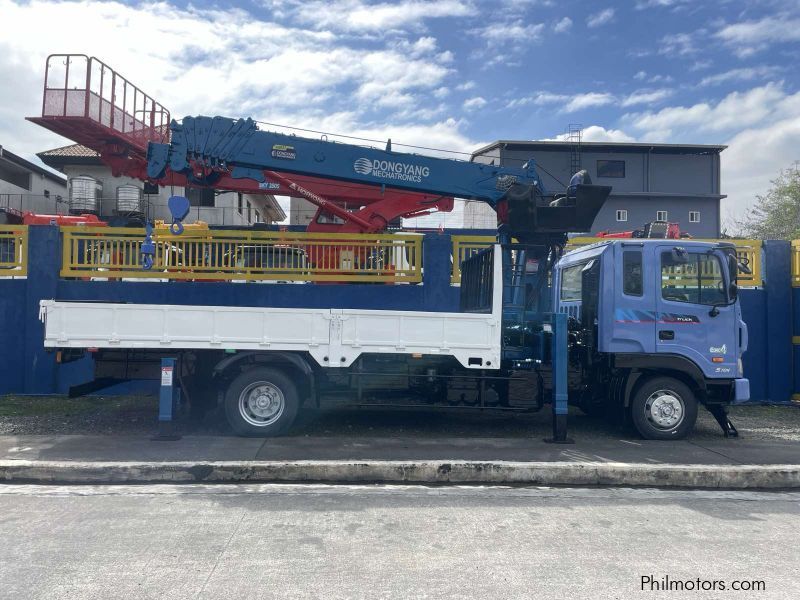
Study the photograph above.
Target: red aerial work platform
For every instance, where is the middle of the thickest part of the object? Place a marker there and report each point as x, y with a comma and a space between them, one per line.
88, 102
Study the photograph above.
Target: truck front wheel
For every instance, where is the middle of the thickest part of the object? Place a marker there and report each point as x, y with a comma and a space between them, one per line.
663, 408
261, 402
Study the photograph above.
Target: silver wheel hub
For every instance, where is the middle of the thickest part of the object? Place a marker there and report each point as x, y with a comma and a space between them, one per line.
261, 403
664, 409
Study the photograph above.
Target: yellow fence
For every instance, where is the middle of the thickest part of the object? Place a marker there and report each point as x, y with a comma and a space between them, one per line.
795, 263
13, 250
464, 247
748, 251
115, 253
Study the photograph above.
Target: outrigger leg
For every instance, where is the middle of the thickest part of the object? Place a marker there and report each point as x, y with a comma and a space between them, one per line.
720, 413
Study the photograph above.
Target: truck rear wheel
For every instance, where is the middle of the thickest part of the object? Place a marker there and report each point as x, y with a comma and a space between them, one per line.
261, 402
663, 408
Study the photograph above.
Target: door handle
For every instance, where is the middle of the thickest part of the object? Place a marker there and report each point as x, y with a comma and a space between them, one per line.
666, 334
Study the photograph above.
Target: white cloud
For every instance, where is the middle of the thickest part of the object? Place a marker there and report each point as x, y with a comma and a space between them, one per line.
645, 4
422, 46
500, 33
702, 64
569, 103
741, 74
596, 133
736, 110
563, 25
749, 37
360, 16
640, 75
761, 128
474, 103
600, 18
588, 100
646, 97
677, 44
466, 85
754, 157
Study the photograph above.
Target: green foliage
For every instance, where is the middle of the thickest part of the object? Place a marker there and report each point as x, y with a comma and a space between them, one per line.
776, 214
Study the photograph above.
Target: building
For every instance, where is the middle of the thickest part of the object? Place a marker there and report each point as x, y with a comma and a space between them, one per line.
650, 182
25, 186
116, 195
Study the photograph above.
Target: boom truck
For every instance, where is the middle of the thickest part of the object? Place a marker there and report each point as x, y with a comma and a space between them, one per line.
646, 328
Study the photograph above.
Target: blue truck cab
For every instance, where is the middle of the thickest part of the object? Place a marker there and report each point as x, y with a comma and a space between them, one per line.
655, 328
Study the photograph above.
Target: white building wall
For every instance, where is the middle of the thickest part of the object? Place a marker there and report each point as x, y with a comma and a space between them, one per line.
33, 199
224, 212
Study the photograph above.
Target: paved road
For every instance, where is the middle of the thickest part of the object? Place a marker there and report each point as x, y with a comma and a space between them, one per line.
284, 541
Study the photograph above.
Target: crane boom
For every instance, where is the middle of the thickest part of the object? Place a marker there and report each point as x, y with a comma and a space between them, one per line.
207, 149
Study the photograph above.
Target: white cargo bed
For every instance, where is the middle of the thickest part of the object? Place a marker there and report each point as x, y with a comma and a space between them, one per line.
333, 337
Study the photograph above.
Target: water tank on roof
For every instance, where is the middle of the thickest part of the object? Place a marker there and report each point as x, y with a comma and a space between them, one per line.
85, 194
129, 199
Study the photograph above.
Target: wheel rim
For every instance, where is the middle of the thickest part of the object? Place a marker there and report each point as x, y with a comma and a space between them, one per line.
261, 404
665, 409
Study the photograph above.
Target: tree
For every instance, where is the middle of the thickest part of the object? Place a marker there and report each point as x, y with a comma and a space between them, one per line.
776, 214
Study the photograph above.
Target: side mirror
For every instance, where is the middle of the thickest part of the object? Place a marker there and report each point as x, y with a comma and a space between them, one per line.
679, 255
733, 292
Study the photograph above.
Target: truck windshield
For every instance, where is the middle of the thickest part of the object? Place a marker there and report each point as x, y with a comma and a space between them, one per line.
699, 280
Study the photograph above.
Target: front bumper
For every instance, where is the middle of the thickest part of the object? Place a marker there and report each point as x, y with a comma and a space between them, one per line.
741, 390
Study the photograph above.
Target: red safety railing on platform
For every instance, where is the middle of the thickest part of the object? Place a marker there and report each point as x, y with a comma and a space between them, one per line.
78, 86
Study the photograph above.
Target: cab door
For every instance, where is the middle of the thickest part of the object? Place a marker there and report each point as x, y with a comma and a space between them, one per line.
695, 317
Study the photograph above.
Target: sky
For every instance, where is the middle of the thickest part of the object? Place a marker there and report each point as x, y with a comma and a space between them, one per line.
451, 74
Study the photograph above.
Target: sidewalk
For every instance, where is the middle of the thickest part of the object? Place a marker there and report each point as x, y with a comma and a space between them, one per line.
705, 463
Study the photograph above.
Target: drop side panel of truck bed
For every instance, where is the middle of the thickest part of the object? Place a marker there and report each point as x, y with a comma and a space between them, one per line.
333, 337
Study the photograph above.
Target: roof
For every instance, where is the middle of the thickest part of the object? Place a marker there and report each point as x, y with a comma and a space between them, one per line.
74, 154
602, 147
72, 150
26, 164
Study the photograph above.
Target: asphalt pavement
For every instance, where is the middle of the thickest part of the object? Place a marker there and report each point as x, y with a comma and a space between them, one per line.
315, 541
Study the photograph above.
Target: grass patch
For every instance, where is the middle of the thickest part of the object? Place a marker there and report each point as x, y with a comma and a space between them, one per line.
22, 406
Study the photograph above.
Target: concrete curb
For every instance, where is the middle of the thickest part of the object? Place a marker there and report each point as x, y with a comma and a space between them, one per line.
426, 472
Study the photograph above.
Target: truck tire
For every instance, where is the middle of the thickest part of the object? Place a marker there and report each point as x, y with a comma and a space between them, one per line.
261, 402
663, 408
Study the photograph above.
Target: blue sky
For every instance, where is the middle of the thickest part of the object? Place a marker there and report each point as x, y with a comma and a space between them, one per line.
446, 73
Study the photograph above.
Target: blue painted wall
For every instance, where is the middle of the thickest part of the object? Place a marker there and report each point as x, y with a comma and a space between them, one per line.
27, 368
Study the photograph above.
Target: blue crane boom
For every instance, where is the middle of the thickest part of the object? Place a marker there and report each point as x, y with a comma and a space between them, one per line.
206, 148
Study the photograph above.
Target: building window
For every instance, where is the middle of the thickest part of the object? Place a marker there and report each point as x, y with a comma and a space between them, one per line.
694, 216
258, 216
611, 168
622, 215
249, 212
661, 215
240, 203
632, 277
200, 196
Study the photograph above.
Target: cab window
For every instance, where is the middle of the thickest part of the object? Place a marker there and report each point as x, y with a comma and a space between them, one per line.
632, 278
571, 282
697, 280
